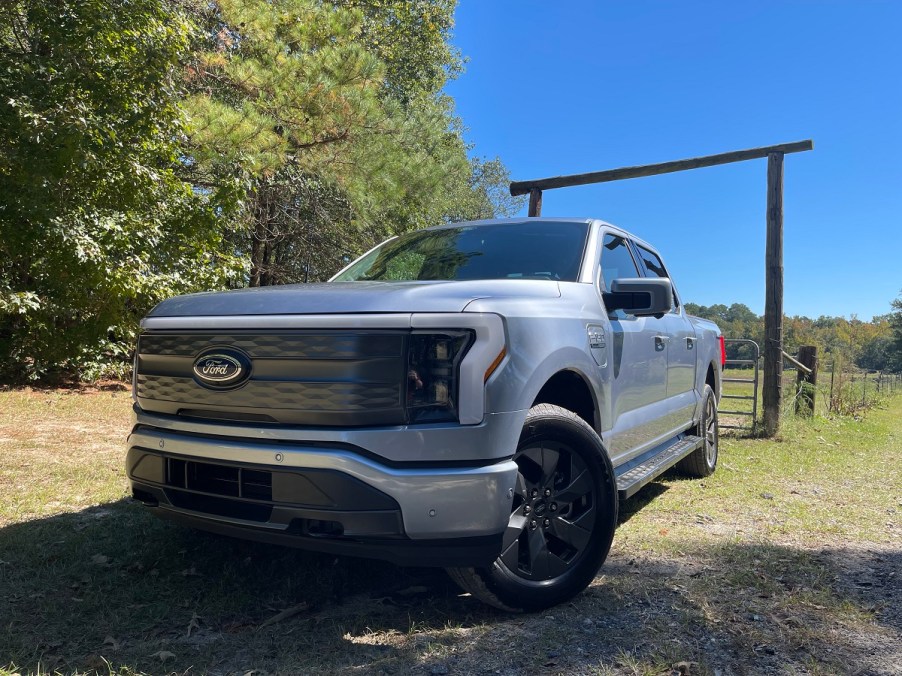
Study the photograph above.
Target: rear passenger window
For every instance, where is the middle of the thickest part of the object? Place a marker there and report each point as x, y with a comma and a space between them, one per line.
655, 268
616, 260
651, 263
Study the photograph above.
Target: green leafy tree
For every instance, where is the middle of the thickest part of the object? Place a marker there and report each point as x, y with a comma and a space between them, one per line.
95, 226
331, 118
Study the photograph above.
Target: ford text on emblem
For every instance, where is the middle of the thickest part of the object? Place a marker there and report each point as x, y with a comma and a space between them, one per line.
222, 368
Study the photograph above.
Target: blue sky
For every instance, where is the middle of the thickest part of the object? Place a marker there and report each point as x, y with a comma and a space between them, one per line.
574, 86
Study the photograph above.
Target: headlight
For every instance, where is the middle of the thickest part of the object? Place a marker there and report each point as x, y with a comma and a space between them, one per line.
433, 360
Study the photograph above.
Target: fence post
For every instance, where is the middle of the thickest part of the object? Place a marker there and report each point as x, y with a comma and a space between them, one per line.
806, 382
832, 377
772, 392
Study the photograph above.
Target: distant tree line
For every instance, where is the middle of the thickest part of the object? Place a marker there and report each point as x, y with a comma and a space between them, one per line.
874, 345
156, 147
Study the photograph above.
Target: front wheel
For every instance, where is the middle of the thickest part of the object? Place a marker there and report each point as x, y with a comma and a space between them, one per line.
562, 520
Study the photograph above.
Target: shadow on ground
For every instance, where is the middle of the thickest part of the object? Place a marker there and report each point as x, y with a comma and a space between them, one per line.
112, 586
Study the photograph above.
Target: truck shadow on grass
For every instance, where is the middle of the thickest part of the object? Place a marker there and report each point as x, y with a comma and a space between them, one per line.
113, 587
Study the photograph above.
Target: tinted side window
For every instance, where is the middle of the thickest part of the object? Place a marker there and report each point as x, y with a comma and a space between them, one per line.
652, 263
655, 268
616, 260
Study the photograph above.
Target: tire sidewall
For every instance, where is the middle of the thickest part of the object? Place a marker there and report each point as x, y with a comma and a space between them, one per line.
551, 424
710, 396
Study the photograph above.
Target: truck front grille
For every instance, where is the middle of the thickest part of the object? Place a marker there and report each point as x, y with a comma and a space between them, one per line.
315, 378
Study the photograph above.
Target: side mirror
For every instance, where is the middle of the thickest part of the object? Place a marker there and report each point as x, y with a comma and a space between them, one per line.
640, 296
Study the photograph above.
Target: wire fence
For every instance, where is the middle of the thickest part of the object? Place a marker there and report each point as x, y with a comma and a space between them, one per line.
841, 389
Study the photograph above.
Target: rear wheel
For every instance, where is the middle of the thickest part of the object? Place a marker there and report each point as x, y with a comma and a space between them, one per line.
703, 461
562, 521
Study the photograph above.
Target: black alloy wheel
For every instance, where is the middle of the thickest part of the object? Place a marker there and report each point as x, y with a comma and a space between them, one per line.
563, 515
703, 461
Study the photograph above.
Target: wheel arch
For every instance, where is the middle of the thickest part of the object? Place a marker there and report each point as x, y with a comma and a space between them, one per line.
713, 378
570, 389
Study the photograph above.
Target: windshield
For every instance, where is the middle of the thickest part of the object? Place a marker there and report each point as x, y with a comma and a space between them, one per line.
530, 250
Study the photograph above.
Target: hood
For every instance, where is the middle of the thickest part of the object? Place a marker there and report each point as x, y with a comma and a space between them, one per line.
352, 297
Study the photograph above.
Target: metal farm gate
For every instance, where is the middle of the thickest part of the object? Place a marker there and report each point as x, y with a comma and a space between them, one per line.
753, 397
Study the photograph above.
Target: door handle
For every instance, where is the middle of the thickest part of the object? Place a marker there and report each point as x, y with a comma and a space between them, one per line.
661, 343
690, 343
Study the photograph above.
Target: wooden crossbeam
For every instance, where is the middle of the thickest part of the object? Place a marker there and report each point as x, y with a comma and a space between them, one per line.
524, 187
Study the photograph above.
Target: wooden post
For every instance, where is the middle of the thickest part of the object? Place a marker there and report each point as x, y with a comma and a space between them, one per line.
772, 394
535, 202
832, 378
806, 382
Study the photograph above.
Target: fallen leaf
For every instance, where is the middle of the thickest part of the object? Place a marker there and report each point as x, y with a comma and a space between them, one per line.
415, 589
110, 641
193, 624
97, 663
164, 655
285, 614
100, 559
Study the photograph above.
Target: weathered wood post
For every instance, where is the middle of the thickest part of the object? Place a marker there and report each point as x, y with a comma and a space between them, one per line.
830, 404
772, 393
535, 202
806, 382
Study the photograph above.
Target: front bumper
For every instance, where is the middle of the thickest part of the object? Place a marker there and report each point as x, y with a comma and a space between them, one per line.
323, 496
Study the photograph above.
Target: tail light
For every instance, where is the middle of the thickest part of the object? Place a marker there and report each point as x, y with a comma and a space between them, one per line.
723, 351
433, 361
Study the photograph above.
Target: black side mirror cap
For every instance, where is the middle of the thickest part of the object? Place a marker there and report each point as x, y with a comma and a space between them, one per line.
641, 296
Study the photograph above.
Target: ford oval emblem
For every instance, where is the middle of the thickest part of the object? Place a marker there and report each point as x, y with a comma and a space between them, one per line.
222, 368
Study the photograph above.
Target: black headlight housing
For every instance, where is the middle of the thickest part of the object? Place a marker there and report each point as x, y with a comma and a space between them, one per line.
433, 374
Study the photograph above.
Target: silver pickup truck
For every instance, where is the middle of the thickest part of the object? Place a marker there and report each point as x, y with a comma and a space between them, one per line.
477, 396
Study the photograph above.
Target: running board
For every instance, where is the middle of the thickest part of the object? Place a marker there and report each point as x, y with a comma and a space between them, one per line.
629, 483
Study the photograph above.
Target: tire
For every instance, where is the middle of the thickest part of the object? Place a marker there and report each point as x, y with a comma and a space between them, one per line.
703, 461
563, 517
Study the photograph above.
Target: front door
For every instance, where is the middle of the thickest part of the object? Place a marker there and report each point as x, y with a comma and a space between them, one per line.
681, 350
638, 376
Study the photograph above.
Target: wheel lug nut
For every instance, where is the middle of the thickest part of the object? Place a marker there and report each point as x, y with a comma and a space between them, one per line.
553, 506
535, 492
547, 492
527, 509
546, 523
533, 525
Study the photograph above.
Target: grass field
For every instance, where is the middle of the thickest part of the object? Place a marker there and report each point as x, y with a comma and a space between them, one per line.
787, 560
